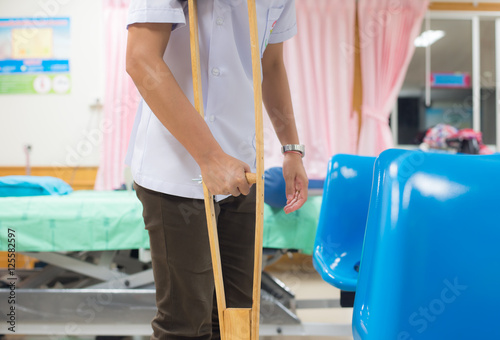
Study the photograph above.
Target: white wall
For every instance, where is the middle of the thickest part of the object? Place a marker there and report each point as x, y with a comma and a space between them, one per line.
57, 126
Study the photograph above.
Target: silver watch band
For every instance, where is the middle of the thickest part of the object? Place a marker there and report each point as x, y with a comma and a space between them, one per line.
294, 147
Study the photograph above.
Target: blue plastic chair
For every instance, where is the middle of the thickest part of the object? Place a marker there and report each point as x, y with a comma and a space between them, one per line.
342, 220
429, 267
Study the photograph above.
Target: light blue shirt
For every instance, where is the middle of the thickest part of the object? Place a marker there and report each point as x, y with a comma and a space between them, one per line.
158, 161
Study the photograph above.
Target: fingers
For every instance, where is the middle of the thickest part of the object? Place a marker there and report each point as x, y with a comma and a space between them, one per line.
246, 167
304, 191
237, 181
241, 185
244, 188
226, 177
232, 190
299, 197
296, 203
290, 187
293, 199
235, 192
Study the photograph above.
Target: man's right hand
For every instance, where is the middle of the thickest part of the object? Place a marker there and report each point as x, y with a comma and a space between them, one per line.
225, 175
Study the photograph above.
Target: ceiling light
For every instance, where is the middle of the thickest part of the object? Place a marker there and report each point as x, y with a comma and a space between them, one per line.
428, 38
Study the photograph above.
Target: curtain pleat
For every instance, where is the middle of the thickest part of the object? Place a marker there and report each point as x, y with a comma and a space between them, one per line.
388, 29
320, 67
121, 98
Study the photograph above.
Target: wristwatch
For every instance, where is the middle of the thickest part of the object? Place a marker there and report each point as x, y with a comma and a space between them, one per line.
294, 147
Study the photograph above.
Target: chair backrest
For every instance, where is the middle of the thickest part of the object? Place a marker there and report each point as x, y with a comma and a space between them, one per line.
341, 226
429, 268
380, 173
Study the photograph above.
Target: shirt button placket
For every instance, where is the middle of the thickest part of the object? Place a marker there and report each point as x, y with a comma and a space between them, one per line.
215, 72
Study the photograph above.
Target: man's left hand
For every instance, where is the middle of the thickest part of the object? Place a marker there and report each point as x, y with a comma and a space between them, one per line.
296, 182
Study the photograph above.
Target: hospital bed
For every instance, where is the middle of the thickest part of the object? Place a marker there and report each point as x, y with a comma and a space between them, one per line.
97, 278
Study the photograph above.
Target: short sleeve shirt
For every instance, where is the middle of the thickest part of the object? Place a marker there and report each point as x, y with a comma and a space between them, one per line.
158, 161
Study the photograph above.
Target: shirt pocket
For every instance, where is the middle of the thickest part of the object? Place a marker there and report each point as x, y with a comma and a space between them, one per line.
272, 17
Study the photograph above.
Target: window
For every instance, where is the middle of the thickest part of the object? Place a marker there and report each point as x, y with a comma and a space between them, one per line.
488, 81
462, 83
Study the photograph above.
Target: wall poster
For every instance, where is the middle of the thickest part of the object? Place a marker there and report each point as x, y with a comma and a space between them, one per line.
34, 55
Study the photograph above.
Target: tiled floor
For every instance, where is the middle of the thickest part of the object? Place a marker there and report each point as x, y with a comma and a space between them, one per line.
299, 275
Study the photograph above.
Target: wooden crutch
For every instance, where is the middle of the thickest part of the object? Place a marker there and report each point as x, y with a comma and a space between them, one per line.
235, 323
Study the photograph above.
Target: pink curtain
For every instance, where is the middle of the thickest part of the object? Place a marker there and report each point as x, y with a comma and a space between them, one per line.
121, 98
320, 66
387, 29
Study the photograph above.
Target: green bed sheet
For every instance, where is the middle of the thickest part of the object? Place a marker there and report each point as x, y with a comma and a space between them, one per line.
100, 220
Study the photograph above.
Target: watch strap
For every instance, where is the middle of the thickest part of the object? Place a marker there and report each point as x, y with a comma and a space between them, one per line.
294, 147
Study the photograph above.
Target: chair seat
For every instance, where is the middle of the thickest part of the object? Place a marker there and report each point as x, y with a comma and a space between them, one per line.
342, 273
341, 226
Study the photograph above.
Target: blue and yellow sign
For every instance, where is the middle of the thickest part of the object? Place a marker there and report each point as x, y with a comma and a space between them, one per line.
34, 55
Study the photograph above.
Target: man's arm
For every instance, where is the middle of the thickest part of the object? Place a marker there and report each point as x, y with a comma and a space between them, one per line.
278, 102
146, 45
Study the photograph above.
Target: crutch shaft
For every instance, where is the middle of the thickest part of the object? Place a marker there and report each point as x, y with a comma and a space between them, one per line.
259, 138
208, 198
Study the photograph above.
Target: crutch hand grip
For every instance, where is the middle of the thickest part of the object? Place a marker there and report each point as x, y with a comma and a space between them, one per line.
251, 178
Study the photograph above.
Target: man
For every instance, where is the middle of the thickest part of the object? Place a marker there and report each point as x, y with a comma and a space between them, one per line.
172, 144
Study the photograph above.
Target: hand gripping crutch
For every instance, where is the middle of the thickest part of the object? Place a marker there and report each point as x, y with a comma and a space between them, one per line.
235, 323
